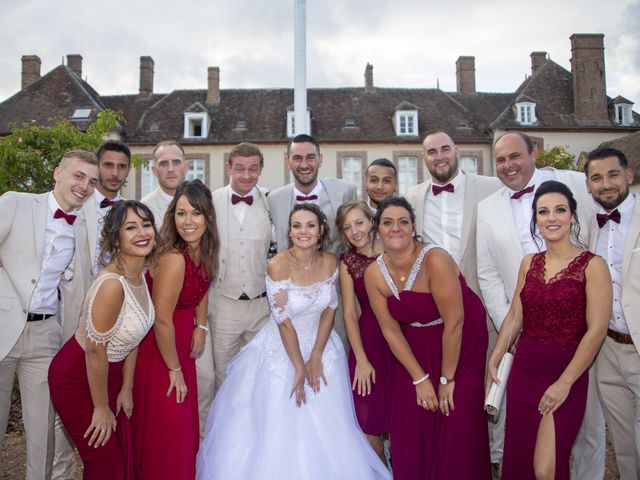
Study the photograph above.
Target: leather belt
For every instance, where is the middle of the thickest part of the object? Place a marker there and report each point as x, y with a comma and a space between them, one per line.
37, 317
244, 296
620, 337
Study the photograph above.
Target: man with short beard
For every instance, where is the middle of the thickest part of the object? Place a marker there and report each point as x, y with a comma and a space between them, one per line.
615, 236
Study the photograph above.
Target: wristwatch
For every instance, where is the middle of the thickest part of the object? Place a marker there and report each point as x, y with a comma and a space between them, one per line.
446, 381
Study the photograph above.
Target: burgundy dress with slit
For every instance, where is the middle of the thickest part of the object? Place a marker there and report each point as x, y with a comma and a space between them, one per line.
373, 410
553, 323
166, 434
427, 445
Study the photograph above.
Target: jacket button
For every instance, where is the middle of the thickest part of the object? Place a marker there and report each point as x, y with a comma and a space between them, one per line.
33, 281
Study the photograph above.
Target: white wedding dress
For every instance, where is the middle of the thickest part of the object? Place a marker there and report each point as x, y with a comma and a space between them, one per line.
255, 431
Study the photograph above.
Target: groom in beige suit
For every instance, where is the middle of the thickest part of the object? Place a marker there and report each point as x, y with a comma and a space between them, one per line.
615, 236
503, 239
42, 246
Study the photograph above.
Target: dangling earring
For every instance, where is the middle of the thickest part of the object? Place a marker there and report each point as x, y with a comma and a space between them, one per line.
116, 250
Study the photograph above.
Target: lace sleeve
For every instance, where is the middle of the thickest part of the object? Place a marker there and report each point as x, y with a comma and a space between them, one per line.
92, 333
278, 296
334, 281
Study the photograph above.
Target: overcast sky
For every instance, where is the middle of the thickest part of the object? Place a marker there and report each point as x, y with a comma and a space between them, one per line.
410, 43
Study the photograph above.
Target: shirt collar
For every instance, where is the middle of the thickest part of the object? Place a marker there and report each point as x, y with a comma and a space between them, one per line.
536, 179
99, 197
316, 190
252, 192
625, 207
167, 198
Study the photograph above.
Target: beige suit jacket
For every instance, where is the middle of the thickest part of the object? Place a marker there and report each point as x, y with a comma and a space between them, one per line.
22, 235
476, 188
281, 202
630, 272
499, 250
156, 202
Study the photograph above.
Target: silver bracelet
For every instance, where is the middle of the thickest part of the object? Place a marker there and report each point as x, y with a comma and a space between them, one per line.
203, 327
420, 380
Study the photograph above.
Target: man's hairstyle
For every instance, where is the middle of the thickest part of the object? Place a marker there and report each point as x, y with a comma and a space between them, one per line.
82, 155
167, 143
525, 138
382, 162
113, 146
303, 138
245, 149
604, 152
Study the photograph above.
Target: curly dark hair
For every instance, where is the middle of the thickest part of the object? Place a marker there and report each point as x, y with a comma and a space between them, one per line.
113, 221
323, 241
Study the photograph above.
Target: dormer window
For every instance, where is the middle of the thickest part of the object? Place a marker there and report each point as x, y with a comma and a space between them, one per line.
291, 126
406, 122
526, 113
196, 125
350, 123
623, 114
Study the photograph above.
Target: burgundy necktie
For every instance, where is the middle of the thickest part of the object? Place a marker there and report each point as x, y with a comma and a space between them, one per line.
517, 195
59, 213
306, 198
437, 189
237, 198
603, 218
106, 203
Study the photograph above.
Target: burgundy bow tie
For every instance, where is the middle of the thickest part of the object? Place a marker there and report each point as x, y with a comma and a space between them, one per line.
306, 198
237, 198
522, 192
59, 213
106, 203
437, 189
603, 218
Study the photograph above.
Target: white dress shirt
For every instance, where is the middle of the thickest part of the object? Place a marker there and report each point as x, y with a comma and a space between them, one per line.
101, 214
442, 218
59, 246
317, 190
610, 246
522, 213
240, 208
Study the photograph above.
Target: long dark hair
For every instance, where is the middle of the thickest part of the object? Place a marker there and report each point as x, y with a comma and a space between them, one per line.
553, 186
199, 196
113, 221
323, 240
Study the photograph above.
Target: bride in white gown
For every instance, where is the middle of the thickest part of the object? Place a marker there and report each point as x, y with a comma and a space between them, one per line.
285, 410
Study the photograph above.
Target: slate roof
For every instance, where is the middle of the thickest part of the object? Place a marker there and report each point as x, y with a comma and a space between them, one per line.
630, 146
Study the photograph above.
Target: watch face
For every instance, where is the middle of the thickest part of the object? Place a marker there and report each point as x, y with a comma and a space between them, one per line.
443, 380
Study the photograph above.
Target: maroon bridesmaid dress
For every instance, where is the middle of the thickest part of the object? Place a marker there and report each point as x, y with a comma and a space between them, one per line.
373, 411
166, 434
427, 445
553, 323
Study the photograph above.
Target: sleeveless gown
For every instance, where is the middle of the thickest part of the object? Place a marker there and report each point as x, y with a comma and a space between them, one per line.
553, 323
69, 383
256, 431
427, 445
166, 434
373, 410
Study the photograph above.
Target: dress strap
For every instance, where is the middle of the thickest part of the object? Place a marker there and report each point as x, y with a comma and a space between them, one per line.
412, 275
387, 276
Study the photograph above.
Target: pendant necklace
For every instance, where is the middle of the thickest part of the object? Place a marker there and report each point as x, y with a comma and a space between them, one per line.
398, 271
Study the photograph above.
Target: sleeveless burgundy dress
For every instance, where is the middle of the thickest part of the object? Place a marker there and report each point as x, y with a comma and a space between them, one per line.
166, 434
373, 410
427, 445
553, 323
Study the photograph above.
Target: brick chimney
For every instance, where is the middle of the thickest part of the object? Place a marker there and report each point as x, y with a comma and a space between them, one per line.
537, 60
368, 78
587, 70
466, 74
74, 62
213, 85
30, 69
146, 76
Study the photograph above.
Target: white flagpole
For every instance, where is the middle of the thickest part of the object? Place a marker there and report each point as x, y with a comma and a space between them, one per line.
300, 61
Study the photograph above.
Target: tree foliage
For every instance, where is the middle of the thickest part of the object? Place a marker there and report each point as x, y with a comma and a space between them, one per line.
557, 157
29, 154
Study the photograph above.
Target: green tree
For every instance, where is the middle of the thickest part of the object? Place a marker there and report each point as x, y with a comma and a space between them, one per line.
556, 157
29, 154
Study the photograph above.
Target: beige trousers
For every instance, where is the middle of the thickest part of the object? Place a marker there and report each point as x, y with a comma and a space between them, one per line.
618, 380
30, 359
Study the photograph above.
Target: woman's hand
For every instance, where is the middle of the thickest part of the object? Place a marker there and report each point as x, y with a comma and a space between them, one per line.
445, 397
197, 342
492, 375
124, 401
298, 387
103, 423
553, 397
176, 379
363, 377
315, 372
426, 396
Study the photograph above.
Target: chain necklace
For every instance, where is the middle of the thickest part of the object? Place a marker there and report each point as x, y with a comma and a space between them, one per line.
398, 271
299, 264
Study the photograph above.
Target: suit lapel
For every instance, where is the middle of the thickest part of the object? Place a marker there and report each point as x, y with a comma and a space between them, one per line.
631, 241
91, 217
420, 197
468, 208
40, 210
503, 212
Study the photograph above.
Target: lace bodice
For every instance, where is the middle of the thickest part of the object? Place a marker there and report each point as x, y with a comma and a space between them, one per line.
554, 311
134, 320
356, 264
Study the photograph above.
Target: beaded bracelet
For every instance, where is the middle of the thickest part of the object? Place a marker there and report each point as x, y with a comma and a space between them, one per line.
176, 369
420, 380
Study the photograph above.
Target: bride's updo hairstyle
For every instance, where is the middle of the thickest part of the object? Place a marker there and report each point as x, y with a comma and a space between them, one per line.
394, 202
323, 241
